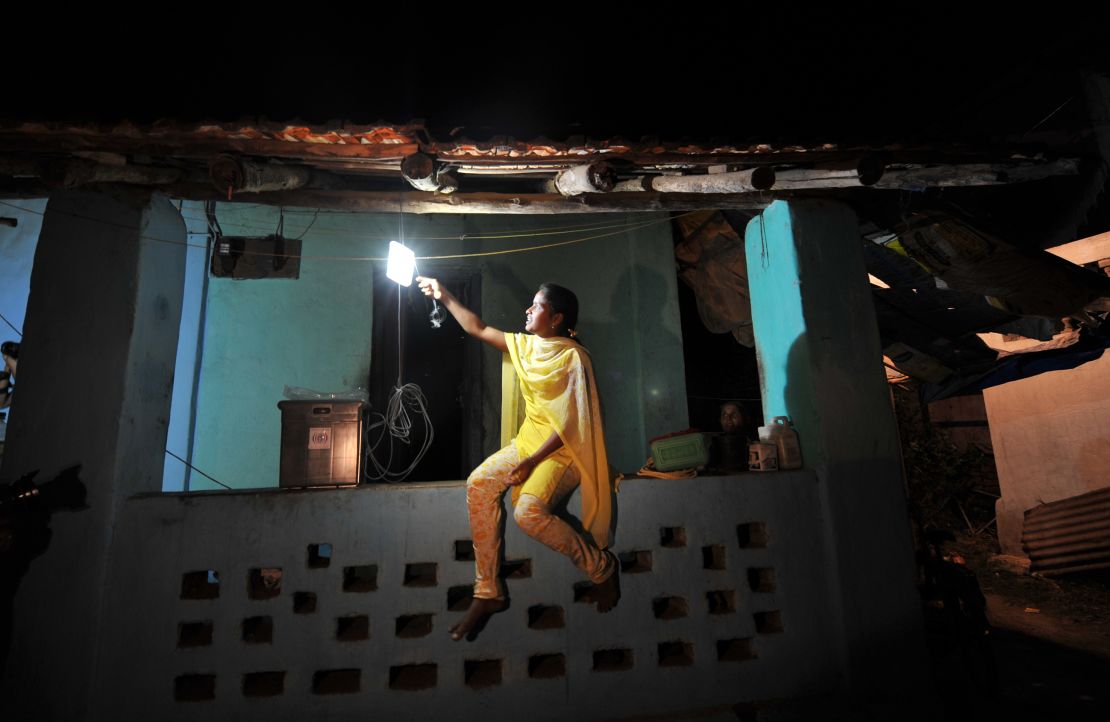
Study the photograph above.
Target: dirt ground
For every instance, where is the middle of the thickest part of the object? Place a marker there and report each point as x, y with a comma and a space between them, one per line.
1072, 610
1046, 653
1049, 643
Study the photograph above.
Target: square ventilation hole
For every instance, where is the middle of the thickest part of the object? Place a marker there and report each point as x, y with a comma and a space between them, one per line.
204, 584
761, 579
735, 650
194, 634
409, 626
264, 582
258, 630
584, 592
635, 562
464, 550
669, 607
547, 666
672, 537
319, 556
612, 660
360, 579
482, 672
544, 617
458, 598
420, 575
413, 676
194, 687
336, 681
675, 654
721, 601
263, 684
768, 622
713, 557
304, 602
752, 535
352, 628
517, 569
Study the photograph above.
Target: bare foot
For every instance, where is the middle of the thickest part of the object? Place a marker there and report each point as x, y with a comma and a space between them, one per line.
608, 592
476, 615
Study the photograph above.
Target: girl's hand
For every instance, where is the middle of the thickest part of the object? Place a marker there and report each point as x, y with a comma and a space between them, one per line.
430, 287
523, 470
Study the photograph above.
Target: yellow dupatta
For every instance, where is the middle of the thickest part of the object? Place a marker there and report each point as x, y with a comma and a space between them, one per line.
557, 376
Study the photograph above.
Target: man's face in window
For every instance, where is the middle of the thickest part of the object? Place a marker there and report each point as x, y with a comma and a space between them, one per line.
731, 418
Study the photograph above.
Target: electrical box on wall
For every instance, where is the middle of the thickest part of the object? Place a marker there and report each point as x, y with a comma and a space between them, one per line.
243, 257
321, 443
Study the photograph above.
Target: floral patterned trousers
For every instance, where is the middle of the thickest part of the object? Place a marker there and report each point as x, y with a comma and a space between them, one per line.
484, 490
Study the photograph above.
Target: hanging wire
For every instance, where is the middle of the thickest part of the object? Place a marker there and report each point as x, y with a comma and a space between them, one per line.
308, 227
186, 463
764, 261
406, 401
1047, 117
508, 251
544, 231
721, 398
12, 325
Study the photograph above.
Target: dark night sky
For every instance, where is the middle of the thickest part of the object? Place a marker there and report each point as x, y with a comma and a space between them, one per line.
779, 75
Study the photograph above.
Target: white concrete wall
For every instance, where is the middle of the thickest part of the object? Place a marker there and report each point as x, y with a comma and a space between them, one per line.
95, 380
161, 537
1051, 438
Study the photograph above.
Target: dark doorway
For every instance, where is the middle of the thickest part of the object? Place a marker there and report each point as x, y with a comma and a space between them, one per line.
718, 369
443, 362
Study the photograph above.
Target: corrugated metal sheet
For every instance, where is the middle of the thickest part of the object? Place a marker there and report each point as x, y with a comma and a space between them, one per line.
1070, 535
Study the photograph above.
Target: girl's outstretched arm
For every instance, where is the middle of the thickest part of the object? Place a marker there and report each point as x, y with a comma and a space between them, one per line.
469, 320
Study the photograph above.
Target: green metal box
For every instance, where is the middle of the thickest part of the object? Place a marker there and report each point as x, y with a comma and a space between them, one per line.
680, 452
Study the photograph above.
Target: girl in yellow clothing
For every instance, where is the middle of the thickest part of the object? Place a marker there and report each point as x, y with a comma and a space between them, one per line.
560, 445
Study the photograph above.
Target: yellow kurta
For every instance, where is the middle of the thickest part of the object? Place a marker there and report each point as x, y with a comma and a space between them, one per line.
556, 383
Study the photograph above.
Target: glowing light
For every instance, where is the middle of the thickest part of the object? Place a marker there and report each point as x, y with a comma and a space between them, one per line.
401, 264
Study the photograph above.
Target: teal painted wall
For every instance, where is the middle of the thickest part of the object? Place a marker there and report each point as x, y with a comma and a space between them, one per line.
816, 332
778, 317
261, 335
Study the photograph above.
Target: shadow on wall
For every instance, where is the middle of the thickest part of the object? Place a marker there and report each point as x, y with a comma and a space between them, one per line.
25, 511
637, 302
647, 410
797, 402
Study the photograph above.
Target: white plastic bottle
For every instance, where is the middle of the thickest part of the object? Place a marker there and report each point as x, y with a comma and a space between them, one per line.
782, 434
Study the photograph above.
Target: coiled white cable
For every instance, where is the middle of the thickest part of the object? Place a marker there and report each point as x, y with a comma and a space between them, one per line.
396, 425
